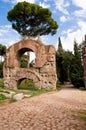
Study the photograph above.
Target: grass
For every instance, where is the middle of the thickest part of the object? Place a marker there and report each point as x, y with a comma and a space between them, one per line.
1, 83
2, 98
1, 80
84, 90
58, 85
40, 91
83, 115
12, 100
29, 88
27, 85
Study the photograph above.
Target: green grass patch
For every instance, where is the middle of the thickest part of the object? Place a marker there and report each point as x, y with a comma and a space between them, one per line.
83, 115
84, 118
83, 90
1, 83
2, 98
58, 85
4, 90
27, 85
40, 91
12, 100
1, 80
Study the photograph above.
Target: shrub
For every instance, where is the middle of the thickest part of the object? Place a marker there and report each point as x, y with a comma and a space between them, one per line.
2, 98
27, 84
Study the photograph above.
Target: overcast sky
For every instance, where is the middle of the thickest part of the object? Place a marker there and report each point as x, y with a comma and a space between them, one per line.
69, 14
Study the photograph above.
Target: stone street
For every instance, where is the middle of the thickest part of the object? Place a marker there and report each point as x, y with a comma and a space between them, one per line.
50, 111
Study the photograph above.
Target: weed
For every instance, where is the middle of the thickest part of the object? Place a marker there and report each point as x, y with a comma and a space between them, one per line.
12, 100
83, 115
2, 98
40, 91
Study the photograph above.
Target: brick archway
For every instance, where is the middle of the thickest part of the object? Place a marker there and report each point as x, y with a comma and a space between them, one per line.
44, 69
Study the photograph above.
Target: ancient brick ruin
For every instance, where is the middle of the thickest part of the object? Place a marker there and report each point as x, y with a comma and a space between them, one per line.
44, 71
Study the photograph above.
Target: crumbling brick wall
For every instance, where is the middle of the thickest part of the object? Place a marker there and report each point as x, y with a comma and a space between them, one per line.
43, 73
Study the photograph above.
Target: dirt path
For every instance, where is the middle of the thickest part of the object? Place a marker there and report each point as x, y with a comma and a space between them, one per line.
51, 111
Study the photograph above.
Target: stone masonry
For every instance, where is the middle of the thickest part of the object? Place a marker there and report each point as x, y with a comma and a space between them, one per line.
44, 71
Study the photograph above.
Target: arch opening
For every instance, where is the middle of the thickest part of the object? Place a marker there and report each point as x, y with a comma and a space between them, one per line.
26, 84
26, 58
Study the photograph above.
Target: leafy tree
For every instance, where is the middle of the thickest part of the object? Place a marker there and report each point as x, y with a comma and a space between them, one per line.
32, 63
76, 68
60, 48
1, 69
59, 60
23, 61
32, 20
67, 61
2, 53
2, 50
69, 66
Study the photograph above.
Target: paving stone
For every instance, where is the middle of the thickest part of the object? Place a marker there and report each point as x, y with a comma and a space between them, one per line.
50, 111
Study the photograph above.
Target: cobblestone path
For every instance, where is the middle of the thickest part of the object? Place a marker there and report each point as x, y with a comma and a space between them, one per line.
51, 111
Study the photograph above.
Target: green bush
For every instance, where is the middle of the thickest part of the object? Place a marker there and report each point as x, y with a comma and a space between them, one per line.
77, 80
1, 69
27, 84
83, 115
40, 91
1, 83
2, 98
12, 100
58, 84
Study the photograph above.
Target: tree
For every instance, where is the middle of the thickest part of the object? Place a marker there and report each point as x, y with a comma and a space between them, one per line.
67, 61
1, 69
2, 53
60, 48
32, 20
76, 68
2, 50
59, 61
23, 61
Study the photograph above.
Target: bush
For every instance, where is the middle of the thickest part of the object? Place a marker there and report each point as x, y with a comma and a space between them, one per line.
76, 80
2, 98
1, 69
1, 83
58, 84
12, 100
27, 84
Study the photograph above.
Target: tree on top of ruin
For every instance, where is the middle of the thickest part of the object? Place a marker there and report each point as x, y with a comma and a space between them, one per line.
32, 20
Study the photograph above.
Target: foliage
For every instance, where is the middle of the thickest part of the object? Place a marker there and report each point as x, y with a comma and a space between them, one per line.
12, 100
1, 80
58, 85
32, 20
60, 48
77, 68
32, 63
2, 49
69, 66
63, 62
27, 84
23, 61
1, 69
59, 59
1, 83
83, 115
40, 91
2, 98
